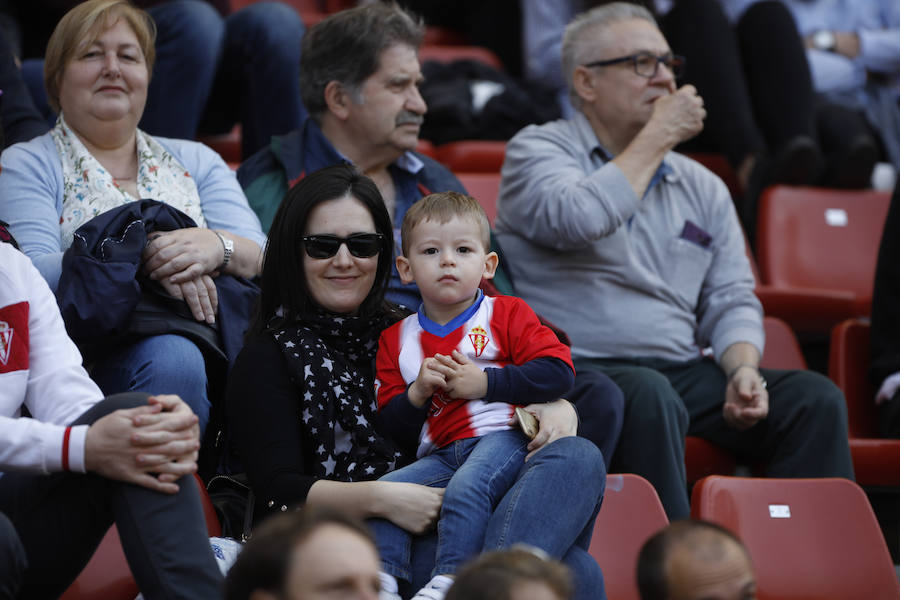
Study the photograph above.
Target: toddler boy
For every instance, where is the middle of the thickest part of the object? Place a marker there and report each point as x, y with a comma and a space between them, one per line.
449, 376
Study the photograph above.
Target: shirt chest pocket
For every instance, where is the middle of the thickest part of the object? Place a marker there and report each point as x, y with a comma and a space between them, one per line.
684, 268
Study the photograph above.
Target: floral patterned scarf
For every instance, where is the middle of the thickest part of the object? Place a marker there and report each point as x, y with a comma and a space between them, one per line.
89, 189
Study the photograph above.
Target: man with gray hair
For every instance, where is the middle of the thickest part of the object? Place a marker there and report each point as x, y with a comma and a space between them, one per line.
637, 252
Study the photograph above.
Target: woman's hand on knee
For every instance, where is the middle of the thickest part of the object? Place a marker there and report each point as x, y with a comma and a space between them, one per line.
555, 420
413, 507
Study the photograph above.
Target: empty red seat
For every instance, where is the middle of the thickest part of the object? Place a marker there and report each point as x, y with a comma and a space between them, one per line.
816, 251
630, 514
484, 187
472, 156
808, 538
876, 461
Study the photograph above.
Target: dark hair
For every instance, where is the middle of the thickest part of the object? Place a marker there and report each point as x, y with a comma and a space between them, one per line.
265, 559
493, 575
346, 47
654, 556
283, 280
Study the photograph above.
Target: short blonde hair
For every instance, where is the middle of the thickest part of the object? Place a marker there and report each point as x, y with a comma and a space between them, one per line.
81, 26
441, 207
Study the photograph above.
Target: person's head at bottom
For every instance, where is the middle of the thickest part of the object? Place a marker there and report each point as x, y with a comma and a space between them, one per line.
520, 573
309, 554
694, 560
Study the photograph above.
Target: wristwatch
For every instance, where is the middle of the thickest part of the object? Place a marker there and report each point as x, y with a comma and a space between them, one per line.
824, 40
228, 246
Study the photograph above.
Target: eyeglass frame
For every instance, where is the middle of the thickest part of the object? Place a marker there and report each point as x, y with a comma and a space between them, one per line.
309, 240
668, 57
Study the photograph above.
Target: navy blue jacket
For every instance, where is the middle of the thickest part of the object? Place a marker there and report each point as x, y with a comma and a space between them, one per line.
104, 299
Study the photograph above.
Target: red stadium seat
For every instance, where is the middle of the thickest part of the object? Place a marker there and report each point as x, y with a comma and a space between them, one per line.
107, 574
484, 187
816, 251
631, 513
718, 164
876, 461
427, 148
227, 145
808, 538
702, 458
472, 156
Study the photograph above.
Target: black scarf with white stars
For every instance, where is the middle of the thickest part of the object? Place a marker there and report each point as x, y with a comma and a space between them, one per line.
331, 359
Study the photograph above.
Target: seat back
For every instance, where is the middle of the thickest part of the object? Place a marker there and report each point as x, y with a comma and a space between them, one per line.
808, 538
782, 348
821, 238
631, 513
848, 365
484, 187
472, 156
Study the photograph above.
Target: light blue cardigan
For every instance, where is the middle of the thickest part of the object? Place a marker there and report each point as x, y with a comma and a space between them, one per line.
31, 191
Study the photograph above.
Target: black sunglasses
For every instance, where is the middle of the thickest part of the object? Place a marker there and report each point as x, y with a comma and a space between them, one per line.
360, 245
646, 64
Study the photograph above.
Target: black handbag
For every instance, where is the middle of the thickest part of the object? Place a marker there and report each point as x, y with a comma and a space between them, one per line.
234, 502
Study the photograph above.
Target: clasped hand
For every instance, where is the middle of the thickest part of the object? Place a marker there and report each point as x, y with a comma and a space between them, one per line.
151, 446
455, 375
184, 262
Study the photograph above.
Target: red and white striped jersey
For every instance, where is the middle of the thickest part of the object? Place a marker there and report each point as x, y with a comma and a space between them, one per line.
494, 332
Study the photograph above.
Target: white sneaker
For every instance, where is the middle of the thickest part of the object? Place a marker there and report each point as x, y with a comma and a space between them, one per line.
389, 589
436, 589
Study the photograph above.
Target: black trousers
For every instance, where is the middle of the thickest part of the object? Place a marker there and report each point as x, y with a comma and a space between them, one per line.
804, 435
754, 77
59, 520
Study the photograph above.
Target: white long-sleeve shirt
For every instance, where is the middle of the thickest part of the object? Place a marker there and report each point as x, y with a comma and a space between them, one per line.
40, 368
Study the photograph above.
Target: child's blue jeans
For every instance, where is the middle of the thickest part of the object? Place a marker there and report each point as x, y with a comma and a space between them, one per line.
477, 472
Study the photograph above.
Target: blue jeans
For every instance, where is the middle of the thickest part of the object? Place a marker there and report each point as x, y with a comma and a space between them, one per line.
552, 505
477, 472
162, 364
211, 73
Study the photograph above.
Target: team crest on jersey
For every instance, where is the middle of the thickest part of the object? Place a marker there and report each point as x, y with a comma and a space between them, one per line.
479, 338
6, 335
14, 337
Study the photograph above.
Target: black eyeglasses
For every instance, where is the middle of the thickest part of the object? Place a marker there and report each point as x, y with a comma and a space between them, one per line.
360, 245
645, 63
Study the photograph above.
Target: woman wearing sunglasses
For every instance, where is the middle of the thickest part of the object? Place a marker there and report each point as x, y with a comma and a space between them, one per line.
301, 397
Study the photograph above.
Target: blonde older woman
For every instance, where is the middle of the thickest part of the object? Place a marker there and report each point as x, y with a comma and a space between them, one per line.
98, 64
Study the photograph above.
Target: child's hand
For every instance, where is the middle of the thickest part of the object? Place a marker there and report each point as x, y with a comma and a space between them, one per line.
431, 378
464, 378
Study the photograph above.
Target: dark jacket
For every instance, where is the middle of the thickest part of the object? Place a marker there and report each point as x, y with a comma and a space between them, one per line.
104, 299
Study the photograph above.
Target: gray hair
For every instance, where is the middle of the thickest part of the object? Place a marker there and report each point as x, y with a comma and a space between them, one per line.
577, 46
346, 47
